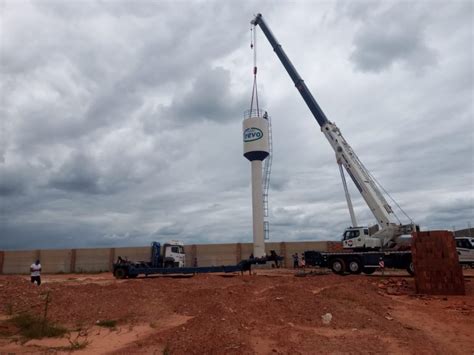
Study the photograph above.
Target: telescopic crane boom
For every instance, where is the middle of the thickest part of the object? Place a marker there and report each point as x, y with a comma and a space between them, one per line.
355, 237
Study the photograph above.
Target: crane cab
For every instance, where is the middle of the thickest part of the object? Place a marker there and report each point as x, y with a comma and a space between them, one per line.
359, 238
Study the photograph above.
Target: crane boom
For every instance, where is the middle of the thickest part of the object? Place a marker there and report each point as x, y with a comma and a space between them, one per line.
299, 83
345, 156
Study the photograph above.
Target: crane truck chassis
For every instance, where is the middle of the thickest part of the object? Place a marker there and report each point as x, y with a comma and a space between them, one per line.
170, 259
356, 262
369, 261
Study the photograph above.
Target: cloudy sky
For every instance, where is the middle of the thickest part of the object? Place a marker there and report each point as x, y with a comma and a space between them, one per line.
121, 120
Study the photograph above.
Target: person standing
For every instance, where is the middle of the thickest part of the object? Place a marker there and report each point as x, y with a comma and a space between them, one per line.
295, 261
302, 262
35, 270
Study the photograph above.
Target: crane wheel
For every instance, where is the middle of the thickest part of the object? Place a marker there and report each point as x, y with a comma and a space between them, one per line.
354, 266
338, 266
120, 273
369, 270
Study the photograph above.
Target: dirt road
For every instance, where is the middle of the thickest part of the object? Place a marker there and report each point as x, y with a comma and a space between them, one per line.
271, 312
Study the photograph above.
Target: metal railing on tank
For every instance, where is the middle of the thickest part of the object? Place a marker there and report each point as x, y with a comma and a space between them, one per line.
255, 113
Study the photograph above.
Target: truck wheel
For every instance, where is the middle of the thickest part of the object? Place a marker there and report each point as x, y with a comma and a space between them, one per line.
369, 270
411, 268
120, 273
338, 266
355, 266
169, 264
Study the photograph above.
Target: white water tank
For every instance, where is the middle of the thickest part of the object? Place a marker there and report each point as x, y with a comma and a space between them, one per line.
255, 136
256, 149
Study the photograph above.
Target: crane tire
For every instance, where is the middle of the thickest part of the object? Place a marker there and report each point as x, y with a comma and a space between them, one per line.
354, 266
120, 273
369, 270
338, 266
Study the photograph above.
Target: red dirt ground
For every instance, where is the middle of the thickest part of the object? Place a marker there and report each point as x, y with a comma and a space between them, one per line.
271, 312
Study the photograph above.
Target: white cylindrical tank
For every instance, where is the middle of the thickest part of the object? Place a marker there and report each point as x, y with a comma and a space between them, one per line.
255, 136
256, 149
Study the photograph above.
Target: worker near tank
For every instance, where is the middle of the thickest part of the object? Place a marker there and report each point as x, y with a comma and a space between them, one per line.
35, 270
295, 260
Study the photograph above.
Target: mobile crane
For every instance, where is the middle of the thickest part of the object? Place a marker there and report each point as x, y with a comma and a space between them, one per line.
368, 249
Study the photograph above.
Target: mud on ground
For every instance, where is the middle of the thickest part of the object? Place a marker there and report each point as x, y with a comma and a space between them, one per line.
271, 312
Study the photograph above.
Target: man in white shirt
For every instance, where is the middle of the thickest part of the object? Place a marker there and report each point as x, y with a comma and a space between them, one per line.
35, 270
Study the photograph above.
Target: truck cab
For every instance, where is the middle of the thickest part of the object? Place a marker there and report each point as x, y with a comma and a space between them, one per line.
173, 254
359, 238
465, 248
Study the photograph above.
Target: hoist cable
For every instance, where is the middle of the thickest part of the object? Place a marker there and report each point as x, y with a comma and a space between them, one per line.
253, 46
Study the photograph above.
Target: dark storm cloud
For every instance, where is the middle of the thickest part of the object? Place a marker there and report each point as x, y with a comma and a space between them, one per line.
396, 35
169, 231
121, 121
12, 182
78, 174
452, 213
210, 98
357, 10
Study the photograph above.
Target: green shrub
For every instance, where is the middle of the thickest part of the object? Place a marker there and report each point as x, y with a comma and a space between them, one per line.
32, 327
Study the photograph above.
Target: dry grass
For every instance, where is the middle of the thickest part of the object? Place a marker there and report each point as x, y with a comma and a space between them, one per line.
32, 327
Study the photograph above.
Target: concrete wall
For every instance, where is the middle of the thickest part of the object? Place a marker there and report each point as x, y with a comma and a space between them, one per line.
93, 260
18, 262
101, 259
216, 254
58, 260
137, 254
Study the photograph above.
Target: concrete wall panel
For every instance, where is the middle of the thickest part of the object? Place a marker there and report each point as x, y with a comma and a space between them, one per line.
58, 260
216, 254
2, 259
136, 253
247, 249
272, 246
92, 260
190, 251
300, 247
18, 262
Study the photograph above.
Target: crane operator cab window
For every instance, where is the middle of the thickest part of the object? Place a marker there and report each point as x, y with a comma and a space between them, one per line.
351, 234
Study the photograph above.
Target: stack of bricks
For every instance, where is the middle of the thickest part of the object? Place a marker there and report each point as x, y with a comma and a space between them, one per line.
436, 262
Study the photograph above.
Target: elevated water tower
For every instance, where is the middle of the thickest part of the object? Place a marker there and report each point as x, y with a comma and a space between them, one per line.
256, 138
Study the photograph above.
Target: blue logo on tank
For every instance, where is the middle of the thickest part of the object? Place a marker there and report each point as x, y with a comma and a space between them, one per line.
252, 134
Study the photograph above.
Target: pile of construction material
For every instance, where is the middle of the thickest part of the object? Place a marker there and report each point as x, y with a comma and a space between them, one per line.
437, 268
